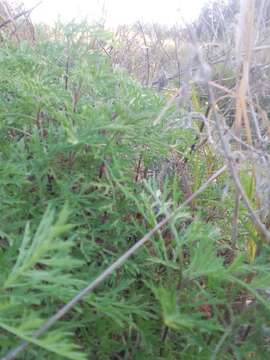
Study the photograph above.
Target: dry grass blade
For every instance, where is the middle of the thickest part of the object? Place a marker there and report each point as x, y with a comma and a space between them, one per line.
244, 46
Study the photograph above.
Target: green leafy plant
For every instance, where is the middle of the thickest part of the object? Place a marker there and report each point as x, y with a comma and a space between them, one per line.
85, 172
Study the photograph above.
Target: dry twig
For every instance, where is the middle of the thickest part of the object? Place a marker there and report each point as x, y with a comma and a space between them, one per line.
22, 13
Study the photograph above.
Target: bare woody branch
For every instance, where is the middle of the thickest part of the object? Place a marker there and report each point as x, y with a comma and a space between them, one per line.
17, 16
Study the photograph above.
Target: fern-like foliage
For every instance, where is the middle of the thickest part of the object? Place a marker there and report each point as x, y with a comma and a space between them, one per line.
77, 130
41, 275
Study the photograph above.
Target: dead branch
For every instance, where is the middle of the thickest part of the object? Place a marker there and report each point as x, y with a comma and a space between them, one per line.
16, 17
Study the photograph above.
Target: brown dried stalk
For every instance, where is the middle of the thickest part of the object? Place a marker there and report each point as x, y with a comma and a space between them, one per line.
231, 166
248, 11
244, 57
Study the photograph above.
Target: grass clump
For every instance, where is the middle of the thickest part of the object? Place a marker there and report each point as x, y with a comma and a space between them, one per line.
84, 174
